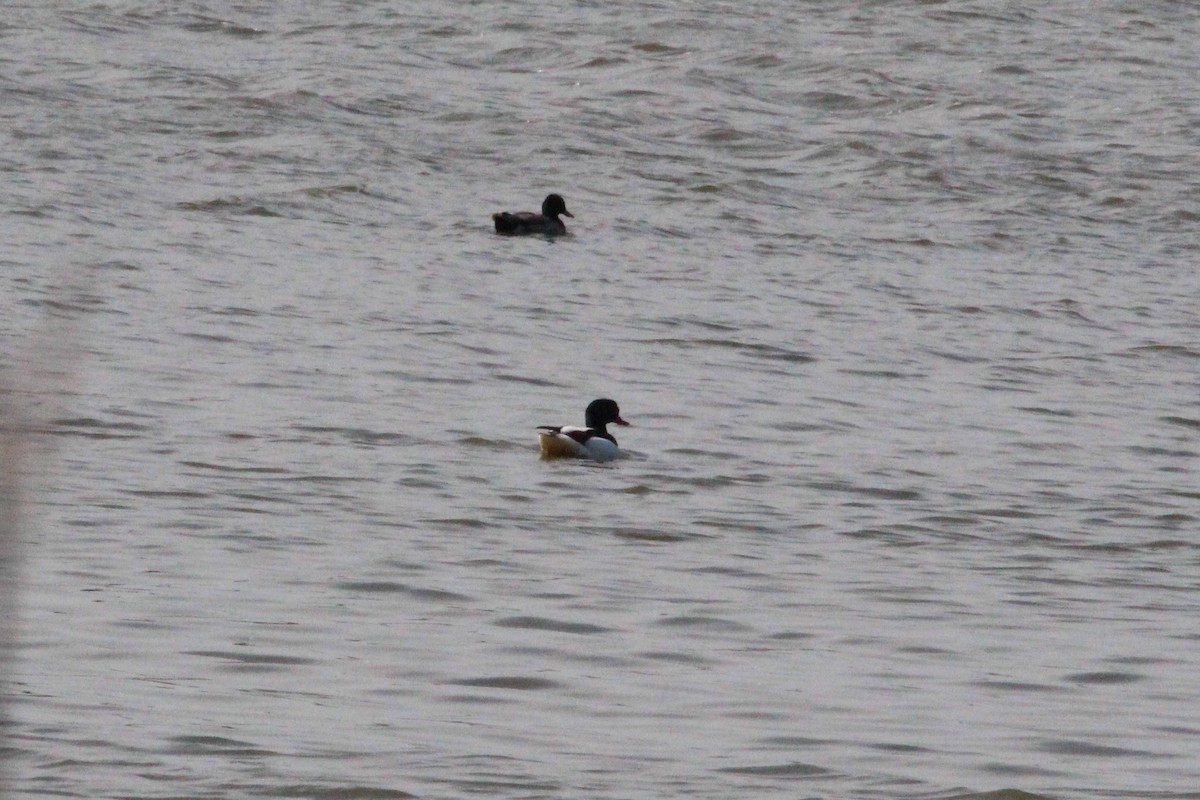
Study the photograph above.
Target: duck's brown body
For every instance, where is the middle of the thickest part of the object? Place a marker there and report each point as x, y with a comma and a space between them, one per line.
526, 222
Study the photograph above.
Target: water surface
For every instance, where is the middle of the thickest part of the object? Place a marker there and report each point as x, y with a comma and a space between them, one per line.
899, 298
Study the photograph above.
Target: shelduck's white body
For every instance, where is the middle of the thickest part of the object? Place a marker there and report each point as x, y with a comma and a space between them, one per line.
571, 442
593, 441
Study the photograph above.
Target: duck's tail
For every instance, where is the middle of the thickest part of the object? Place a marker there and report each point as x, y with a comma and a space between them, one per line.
505, 222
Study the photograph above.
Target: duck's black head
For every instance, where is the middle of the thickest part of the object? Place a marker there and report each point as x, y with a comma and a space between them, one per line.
601, 412
554, 205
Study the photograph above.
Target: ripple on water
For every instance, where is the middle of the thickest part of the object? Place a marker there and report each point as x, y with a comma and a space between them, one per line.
556, 626
393, 587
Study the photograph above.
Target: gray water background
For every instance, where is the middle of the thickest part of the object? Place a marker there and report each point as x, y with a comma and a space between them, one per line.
900, 298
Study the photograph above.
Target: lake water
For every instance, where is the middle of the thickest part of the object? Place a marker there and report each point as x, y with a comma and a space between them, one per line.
899, 298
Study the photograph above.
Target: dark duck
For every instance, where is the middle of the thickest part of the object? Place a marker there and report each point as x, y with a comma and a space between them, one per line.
522, 223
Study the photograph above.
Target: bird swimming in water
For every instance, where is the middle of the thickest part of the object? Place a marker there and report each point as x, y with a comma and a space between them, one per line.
526, 222
594, 441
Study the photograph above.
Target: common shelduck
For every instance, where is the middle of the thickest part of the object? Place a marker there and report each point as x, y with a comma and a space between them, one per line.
593, 441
